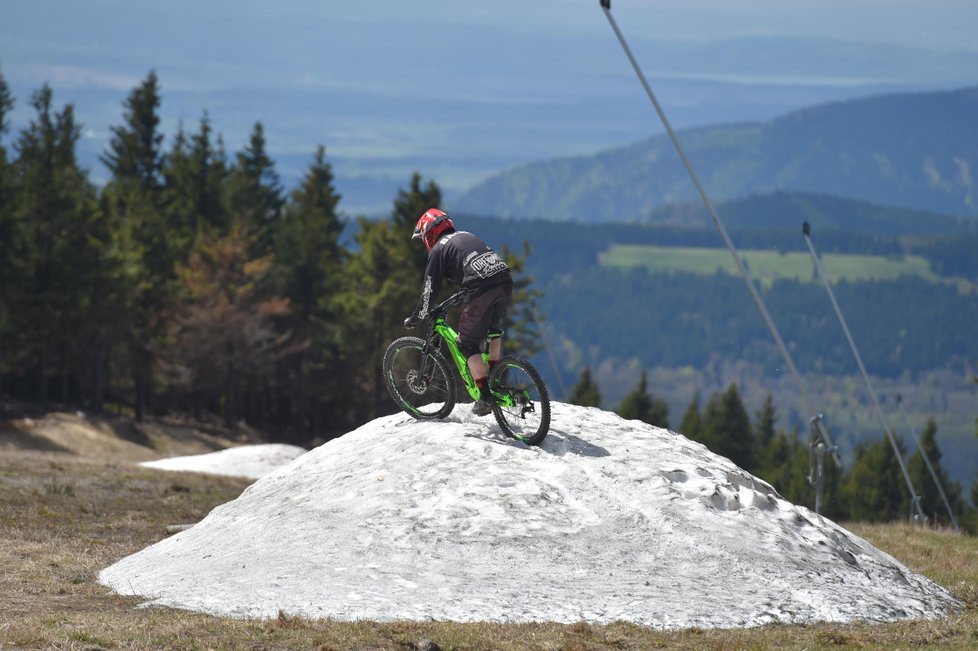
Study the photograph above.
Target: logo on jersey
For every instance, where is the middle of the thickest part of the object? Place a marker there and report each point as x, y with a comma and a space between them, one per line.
425, 297
488, 264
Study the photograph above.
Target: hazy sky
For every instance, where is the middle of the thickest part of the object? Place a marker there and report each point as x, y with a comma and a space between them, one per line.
464, 88
53, 39
934, 23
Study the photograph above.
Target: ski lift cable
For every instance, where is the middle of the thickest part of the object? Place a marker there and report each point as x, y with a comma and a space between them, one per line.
744, 273
806, 231
930, 467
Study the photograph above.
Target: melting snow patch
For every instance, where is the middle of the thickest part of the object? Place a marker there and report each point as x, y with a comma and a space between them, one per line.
450, 520
250, 461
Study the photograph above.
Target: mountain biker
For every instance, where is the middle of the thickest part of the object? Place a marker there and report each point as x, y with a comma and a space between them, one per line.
470, 263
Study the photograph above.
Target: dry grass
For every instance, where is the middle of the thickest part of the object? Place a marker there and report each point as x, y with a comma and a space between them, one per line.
62, 519
945, 557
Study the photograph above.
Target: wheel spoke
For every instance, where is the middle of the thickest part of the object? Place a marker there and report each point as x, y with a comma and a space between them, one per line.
525, 412
419, 382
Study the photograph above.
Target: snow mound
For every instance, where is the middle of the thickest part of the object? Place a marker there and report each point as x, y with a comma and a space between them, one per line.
450, 520
250, 461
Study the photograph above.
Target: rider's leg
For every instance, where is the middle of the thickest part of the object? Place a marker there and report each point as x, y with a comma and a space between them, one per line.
480, 372
481, 312
473, 326
478, 367
494, 338
495, 349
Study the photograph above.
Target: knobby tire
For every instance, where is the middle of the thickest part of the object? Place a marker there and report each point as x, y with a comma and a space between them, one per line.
529, 419
426, 390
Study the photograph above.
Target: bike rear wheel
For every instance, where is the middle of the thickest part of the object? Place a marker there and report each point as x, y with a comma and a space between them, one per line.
526, 417
421, 383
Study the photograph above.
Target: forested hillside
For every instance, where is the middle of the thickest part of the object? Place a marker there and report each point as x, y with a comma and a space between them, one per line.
913, 151
676, 319
192, 282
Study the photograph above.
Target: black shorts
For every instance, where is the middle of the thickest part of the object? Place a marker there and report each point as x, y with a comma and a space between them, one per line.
481, 312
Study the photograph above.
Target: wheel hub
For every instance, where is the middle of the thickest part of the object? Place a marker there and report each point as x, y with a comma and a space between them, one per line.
416, 382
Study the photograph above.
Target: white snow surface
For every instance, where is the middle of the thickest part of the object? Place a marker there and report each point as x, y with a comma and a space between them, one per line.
450, 520
249, 461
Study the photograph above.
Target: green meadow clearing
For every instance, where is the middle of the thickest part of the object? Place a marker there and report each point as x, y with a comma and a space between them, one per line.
766, 266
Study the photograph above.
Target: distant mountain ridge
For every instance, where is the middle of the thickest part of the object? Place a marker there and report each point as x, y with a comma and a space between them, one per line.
788, 210
915, 150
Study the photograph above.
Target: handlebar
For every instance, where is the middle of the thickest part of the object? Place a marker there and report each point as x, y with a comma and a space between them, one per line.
454, 299
439, 310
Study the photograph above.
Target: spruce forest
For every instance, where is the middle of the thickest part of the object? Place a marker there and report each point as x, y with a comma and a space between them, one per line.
193, 284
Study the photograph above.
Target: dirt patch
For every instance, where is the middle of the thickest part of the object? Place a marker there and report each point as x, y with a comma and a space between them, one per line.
116, 439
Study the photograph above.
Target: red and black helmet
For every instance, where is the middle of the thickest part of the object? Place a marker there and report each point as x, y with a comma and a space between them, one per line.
431, 226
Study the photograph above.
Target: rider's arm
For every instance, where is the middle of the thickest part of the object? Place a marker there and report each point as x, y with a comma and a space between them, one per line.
431, 285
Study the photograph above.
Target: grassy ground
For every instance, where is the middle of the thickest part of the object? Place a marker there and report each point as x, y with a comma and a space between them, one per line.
63, 518
766, 266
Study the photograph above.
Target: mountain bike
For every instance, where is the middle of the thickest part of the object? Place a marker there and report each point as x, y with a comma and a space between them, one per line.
421, 382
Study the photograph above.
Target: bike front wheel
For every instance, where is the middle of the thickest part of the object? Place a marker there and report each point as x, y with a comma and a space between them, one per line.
522, 406
419, 381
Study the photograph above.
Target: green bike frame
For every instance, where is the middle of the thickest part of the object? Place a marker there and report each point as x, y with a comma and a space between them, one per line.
450, 336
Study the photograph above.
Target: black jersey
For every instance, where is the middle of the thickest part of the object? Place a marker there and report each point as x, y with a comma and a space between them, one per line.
466, 261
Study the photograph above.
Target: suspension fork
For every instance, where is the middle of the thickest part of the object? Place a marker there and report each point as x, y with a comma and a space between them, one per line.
432, 342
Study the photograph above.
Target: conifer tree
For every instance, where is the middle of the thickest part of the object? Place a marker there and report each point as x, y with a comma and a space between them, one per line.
376, 297
56, 209
135, 151
383, 283
90, 270
194, 187
310, 260
930, 497
969, 521
144, 246
409, 205
639, 404
8, 233
178, 195
764, 426
6, 107
726, 429
874, 489
255, 194
208, 165
522, 333
774, 450
691, 421
107, 304
586, 392
778, 459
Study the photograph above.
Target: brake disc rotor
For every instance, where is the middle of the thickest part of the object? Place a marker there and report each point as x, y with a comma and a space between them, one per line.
416, 382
